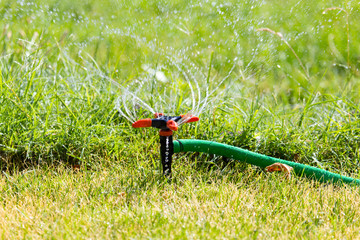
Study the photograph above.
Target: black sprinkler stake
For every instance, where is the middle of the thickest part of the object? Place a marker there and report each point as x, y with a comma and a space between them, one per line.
166, 152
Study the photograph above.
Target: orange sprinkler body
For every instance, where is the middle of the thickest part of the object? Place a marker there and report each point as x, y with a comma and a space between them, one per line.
166, 124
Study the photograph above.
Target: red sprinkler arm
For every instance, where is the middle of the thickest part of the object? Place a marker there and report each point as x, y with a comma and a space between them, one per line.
142, 123
192, 118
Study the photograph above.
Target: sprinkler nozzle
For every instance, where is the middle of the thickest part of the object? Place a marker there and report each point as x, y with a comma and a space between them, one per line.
158, 115
172, 125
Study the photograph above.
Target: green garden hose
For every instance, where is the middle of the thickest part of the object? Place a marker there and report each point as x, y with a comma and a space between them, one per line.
259, 160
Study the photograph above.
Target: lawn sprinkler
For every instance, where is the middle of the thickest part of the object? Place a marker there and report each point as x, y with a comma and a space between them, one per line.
166, 124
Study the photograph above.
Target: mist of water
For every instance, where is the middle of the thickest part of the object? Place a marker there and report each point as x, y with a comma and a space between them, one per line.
187, 91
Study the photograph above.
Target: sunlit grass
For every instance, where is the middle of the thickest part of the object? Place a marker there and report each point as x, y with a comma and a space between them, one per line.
113, 204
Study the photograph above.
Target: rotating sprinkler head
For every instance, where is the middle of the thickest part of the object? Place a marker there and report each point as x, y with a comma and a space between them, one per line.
166, 124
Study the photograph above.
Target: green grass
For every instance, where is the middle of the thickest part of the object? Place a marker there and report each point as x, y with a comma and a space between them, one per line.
61, 66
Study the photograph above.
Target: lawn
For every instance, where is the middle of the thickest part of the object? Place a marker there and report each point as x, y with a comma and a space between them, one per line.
274, 77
